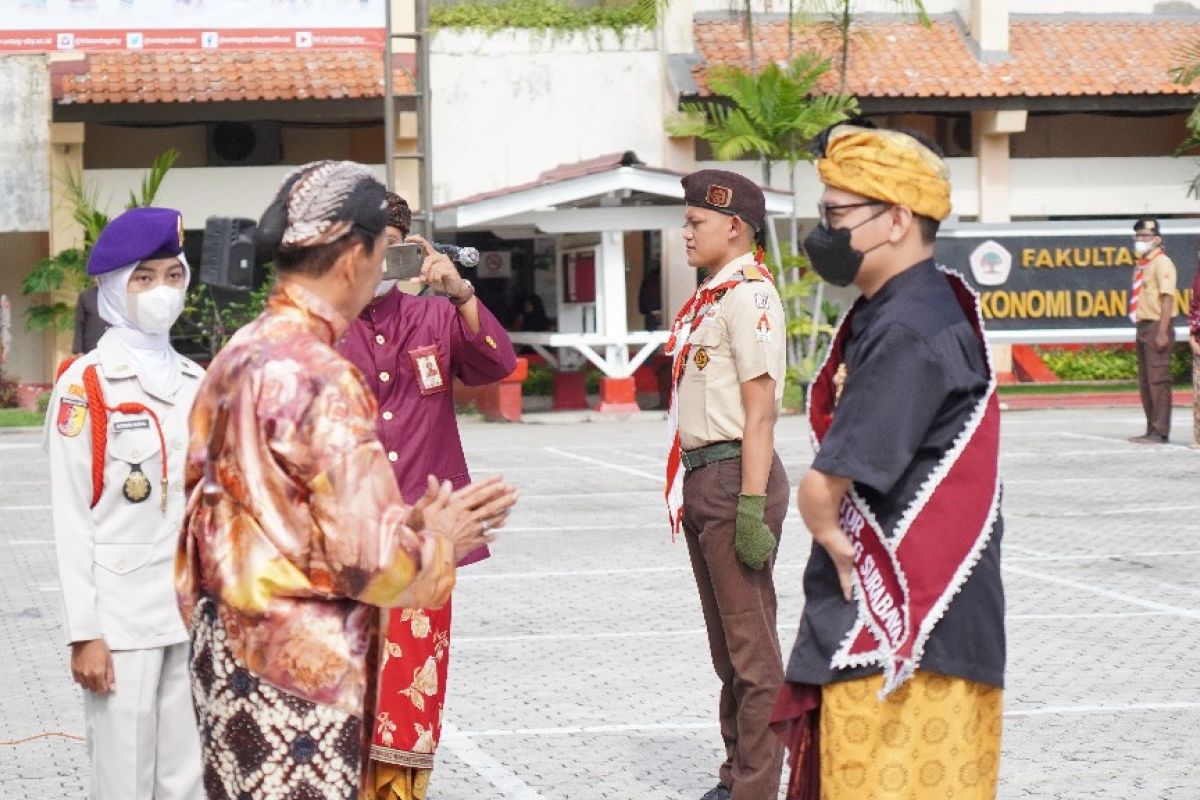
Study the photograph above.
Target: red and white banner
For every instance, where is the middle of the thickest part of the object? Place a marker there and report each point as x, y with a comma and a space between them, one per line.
49, 26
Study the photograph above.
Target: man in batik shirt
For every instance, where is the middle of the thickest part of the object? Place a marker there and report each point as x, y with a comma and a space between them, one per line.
295, 531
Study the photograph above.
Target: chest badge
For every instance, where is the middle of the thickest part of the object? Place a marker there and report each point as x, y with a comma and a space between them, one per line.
137, 486
428, 370
700, 359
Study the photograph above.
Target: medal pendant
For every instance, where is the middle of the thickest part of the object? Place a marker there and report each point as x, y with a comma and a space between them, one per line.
137, 486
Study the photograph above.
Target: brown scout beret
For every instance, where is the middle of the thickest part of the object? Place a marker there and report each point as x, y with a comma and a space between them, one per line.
728, 193
1147, 225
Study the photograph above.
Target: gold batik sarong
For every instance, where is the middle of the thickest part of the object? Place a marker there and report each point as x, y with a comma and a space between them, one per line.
934, 737
392, 782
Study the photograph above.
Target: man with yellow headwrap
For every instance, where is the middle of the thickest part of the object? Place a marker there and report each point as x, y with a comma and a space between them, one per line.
895, 680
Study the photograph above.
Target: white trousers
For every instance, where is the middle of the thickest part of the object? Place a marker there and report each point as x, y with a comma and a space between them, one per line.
143, 743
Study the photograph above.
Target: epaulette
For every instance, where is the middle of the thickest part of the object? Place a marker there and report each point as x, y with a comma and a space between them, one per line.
753, 272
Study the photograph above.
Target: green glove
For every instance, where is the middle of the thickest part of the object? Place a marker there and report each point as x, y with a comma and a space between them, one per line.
753, 540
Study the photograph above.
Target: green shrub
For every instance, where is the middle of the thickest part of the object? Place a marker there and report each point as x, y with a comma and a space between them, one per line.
539, 382
8, 392
544, 15
43, 402
1109, 364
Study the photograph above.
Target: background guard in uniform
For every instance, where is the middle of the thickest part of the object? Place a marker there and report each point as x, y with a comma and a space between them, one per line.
116, 434
1152, 309
725, 484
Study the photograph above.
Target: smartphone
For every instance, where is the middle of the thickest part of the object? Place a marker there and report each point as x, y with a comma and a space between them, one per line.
403, 261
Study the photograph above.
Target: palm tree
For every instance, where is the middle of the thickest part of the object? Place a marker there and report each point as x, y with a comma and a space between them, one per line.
841, 16
1185, 74
773, 114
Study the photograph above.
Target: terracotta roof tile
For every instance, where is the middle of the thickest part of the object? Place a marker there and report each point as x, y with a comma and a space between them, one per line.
219, 77
903, 59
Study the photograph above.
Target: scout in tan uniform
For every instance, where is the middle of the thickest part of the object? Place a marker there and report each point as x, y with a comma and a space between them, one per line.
1152, 307
725, 485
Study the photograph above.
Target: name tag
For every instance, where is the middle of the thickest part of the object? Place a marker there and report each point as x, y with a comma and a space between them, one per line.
428, 370
131, 425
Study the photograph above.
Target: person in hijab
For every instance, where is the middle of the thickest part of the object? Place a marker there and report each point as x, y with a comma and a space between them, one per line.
296, 533
115, 437
409, 348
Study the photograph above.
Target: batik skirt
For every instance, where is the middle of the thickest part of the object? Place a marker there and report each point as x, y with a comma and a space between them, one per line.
262, 742
414, 661
934, 737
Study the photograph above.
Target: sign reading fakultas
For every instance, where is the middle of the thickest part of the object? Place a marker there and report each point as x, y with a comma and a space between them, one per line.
48, 26
1058, 274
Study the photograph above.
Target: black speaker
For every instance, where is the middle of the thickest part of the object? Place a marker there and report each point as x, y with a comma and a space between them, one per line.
227, 256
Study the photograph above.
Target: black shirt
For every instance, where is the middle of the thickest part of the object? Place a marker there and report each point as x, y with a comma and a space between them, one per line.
914, 372
89, 325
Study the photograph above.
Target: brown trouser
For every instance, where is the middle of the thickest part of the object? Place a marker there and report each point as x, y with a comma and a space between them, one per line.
739, 612
1195, 399
1154, 377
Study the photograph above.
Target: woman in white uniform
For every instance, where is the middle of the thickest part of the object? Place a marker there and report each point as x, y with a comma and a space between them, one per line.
116, 435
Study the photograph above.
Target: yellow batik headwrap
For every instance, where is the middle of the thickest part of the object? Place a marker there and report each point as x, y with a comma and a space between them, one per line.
889, 166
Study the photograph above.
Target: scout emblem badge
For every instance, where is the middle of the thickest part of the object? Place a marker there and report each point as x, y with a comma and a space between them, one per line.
428, 370
701, 358
905, 582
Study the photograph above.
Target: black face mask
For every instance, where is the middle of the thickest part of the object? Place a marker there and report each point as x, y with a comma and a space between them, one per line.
831, 255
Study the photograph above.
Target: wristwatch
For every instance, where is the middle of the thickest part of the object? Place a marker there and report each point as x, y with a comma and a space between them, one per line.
466, 296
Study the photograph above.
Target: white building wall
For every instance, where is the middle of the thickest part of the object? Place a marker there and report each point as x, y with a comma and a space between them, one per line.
508, 106
200, 192
24, 137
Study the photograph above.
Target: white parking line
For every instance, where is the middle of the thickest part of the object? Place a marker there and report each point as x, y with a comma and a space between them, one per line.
1103, 709
788, 628
1101, 556
501, 777
1123, 597
659, 478
1108, 512
31, 543
573, 730
1124, 451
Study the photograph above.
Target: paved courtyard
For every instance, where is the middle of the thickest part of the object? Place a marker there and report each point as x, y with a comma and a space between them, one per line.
580, 668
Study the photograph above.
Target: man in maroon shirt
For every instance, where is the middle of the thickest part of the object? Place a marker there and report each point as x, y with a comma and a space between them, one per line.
410, 348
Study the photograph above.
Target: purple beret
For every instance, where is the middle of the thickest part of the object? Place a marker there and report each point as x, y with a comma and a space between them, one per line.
728, 193
137, 235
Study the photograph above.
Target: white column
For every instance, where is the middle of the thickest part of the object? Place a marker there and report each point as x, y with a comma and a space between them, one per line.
610, 298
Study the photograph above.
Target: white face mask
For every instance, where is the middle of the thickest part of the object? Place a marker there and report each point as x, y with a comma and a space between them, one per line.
155, 311
1141, 248
384, 287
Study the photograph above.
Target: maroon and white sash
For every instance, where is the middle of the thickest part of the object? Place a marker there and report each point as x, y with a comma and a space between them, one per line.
905, 583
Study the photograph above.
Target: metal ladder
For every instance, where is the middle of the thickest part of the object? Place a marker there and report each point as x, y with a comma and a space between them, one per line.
422, 218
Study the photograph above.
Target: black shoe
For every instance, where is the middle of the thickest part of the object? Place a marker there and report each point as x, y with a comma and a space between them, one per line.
718, 792
1149, 438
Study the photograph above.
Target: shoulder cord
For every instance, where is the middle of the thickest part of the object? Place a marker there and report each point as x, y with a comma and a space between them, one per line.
99, 410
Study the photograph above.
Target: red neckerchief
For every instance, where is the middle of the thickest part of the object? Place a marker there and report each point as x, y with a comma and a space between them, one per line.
904, 584
703, 303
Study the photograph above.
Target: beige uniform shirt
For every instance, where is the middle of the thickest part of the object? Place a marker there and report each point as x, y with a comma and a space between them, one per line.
742, 337
1158, 279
